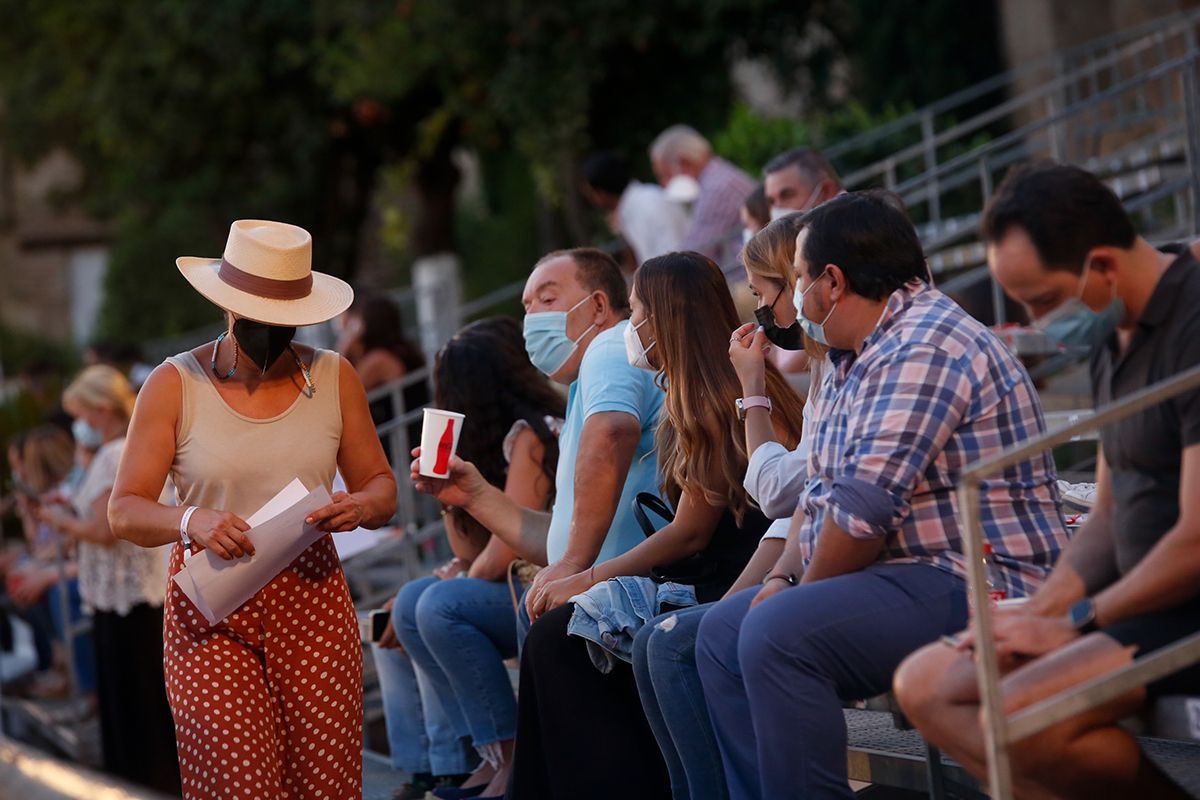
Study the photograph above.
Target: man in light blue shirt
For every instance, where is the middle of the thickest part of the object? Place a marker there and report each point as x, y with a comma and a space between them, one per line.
577, 307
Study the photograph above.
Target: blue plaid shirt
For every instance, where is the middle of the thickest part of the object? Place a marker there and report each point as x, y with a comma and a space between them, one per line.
932, 391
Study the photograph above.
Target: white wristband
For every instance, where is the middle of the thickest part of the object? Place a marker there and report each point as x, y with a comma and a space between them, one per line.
183, 528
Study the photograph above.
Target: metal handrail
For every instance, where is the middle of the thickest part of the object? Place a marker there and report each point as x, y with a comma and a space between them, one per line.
983, 119
1161, 26
1000, 731
968, 161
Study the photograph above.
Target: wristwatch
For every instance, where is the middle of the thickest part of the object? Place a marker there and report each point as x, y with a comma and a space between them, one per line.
1083, 616
790, 577
744, 403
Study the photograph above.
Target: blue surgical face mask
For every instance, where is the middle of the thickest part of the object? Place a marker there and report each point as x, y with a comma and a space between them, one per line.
85, 435
1076, 324
546, 339
813, 330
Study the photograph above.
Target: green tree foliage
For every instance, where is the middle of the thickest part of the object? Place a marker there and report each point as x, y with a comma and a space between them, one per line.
186, 115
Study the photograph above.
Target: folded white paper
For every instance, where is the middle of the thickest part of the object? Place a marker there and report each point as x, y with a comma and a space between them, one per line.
279, 535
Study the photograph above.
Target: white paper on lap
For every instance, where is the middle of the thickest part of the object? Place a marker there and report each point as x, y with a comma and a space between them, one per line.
279, 535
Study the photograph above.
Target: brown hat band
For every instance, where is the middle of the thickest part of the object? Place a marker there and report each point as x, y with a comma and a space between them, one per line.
270, 288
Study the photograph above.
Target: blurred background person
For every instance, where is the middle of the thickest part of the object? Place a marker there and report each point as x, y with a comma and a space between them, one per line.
641, 213
50, 468
755, 213
372, 339
715, 230
122, 586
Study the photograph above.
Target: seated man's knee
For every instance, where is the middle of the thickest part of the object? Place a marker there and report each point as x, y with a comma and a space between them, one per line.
760, 648
918, 682
1039, 757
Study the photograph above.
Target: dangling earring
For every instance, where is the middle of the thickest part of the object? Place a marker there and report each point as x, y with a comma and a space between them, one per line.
213, 363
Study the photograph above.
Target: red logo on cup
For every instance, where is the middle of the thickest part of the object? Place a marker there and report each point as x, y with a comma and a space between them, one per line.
445, 446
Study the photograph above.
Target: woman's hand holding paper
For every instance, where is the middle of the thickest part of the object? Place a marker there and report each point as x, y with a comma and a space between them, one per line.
344, 513
220, 531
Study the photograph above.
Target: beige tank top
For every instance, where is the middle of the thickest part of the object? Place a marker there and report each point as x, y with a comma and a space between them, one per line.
230, 462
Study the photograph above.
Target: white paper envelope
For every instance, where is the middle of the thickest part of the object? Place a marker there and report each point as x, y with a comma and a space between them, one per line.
219, 587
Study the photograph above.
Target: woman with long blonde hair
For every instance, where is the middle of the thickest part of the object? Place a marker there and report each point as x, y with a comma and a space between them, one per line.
679, 328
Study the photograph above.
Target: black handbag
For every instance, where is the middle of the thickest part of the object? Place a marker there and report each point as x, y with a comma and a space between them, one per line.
695, 570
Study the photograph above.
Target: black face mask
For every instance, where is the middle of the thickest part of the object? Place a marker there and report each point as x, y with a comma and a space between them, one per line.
262, 343
789, 338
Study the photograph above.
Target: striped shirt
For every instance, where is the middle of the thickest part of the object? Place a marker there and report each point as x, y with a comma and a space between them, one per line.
932, 391
716, 229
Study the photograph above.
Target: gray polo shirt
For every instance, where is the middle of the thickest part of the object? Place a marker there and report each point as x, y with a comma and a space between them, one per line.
1145, 451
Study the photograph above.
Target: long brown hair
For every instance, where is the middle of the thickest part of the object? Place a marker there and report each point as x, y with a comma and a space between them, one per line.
701, 443
771, 254
47, 455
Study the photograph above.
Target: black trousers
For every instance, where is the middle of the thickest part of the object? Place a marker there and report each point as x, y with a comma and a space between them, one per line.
580, 734
137, 733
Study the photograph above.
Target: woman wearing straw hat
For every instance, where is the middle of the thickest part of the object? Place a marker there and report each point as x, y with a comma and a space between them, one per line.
267, 702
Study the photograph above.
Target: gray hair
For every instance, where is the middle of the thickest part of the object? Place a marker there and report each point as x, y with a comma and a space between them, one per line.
812, 165
679, 141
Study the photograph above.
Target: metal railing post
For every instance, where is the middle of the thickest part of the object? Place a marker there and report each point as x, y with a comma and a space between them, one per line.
1000, 731
930, 145
999, 310
995, 730
1192, 141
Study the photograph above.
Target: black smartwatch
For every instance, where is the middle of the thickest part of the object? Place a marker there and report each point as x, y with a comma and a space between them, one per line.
1083, 616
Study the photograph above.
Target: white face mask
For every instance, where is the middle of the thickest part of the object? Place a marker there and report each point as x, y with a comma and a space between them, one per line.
634, 352
683, 189
747, 235
814, 330
778, 212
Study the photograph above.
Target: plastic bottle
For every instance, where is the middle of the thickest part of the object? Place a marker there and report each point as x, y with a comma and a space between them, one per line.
995, 583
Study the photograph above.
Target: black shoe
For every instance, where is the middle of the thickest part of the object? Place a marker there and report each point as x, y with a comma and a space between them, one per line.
458, 793
421, 784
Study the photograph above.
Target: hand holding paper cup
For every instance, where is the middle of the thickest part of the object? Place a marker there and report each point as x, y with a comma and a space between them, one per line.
439, 441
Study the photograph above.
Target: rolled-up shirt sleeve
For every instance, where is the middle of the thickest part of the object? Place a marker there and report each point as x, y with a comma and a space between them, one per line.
906, 412
778, 529
775, 477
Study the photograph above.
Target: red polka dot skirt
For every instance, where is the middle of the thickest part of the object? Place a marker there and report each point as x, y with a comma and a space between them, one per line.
268, 702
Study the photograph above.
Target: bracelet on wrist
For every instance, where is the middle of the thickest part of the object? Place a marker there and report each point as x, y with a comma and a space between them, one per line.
790, 577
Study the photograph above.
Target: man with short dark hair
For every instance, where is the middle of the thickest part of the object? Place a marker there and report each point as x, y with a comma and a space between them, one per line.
1060, 243
873, 568
799, 180
641, 213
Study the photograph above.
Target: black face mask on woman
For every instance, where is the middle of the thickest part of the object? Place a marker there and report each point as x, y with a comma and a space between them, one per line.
262, 343
789, 338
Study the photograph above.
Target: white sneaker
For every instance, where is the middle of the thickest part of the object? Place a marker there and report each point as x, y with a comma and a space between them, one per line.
1079, 496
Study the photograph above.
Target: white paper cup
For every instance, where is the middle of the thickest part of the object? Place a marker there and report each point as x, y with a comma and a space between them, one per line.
438, 445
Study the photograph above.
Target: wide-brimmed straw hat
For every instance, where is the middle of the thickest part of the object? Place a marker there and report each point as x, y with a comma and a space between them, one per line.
266, 275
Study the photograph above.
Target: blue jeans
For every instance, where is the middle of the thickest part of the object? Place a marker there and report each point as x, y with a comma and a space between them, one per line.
775, 677
85, 654
421, 733
469, 627
664, 664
